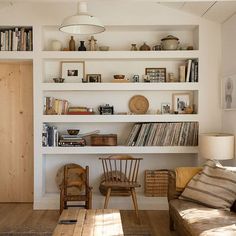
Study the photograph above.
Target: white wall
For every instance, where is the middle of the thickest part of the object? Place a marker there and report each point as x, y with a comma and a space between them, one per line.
229, 68
134, 13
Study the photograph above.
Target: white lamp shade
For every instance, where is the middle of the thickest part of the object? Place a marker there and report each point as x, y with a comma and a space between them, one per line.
216, 146
82, 24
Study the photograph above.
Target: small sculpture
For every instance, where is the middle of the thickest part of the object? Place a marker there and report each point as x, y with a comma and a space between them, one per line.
92, 44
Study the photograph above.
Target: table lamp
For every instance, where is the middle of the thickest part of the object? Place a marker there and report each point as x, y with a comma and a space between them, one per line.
216, 146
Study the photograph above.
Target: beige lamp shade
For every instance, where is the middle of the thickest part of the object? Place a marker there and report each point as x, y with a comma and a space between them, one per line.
216, 146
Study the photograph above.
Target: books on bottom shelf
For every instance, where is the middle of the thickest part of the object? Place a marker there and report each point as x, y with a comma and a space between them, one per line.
164, 134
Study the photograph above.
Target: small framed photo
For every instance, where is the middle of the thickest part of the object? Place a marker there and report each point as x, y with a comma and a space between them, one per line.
156, 75
73, 71
93, 78
180, 102
229, 92
165, 108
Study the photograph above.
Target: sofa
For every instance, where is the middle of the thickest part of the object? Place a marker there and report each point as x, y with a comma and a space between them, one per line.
189, 218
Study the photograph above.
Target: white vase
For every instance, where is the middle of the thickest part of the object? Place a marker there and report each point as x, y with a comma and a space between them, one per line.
56, 45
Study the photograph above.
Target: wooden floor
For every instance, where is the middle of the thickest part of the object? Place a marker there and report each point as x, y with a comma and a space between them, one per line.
21, 220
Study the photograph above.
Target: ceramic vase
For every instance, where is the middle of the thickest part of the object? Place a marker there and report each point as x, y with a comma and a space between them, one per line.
72, 44
82, 46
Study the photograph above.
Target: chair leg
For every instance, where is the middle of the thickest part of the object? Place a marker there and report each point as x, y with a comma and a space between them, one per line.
134, 198
89, 201
107, 197
62, 204
171, 224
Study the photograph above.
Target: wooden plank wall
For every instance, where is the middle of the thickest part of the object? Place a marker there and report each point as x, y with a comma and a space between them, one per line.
16, 132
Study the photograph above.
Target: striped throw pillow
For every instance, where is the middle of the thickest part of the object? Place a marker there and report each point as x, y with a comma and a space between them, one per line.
214, 186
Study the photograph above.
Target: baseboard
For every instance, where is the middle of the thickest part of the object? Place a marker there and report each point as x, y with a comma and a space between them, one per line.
51, 202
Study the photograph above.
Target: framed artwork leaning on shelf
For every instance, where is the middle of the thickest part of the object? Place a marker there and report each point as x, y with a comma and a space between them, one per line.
93, 78
156, 74
229, 92
73, 71
180, 101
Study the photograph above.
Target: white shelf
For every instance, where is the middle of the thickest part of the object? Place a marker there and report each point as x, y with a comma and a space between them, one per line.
119, 86
134, 55
119, 118
118, 149
16, 55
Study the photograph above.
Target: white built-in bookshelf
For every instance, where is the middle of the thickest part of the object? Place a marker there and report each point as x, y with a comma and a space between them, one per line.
119, 60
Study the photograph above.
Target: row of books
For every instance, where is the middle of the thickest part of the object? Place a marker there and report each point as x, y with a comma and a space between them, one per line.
189, 71
164, 134
16, 39
49, 136
53, 106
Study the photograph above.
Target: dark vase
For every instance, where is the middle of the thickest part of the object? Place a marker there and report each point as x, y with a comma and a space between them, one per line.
82, 47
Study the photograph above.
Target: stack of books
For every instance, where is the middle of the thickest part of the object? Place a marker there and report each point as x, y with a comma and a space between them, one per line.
79, 111
49, 136
53, 106
71, 141
164, 134
16, 39
189, 71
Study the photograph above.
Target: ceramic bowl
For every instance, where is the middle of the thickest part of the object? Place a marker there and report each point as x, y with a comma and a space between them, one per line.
119, 76
58, 80
104, 48
73, 131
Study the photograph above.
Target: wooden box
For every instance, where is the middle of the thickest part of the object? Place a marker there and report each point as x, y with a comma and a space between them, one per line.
156, 183
104, 140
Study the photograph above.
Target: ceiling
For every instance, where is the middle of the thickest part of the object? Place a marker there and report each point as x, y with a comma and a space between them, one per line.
219, 11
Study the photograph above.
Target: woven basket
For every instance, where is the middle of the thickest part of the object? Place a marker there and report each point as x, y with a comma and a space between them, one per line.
156, 183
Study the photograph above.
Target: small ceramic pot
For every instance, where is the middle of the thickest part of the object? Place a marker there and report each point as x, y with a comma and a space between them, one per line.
56, 45
170, 43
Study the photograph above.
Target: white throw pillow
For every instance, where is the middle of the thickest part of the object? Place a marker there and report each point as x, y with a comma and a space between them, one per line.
214, 186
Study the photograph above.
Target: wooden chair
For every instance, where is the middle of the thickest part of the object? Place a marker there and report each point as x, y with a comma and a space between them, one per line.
75, 187
121, 171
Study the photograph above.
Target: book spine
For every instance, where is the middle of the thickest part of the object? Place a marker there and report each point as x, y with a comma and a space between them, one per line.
189, 62
6, 40
182, 71
196, 71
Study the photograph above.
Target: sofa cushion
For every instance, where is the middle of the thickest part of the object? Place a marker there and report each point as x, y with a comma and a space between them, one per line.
184, 175
200, 220
214, 186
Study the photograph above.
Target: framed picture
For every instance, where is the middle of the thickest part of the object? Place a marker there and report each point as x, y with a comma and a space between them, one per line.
156, 74
229, 92
165, 108
93, 78
73, 71
180, 102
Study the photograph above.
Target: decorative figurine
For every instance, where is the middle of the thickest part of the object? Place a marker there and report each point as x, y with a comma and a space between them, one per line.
92, 44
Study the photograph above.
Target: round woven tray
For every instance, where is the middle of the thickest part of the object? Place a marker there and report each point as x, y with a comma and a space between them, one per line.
138, 104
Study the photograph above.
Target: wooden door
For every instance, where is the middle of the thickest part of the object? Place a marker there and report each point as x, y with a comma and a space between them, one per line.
16, 132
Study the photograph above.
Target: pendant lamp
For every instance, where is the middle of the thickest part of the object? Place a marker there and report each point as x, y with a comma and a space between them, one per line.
82, 22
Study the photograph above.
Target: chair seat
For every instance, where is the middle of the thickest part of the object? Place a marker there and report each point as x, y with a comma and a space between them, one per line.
111, 184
